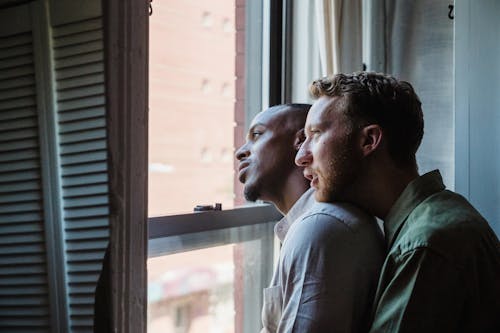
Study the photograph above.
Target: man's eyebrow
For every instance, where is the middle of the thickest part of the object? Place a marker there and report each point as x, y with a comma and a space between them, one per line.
252, 128
256, 125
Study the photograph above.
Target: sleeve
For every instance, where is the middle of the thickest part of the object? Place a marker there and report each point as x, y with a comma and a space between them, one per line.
424, 294
319, 277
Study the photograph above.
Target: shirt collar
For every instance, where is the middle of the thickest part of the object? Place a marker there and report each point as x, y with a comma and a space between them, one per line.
416, 191
298, 209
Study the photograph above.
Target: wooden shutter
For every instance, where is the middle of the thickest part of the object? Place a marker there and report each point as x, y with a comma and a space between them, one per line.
54, 205
24, 294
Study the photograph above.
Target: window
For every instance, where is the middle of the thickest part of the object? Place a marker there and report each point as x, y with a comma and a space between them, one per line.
206, 270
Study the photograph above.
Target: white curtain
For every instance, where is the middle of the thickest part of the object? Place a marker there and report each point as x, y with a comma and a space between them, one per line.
339, 26
413, 40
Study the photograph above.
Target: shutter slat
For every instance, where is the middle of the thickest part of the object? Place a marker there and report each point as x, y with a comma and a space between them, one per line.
84, 169
81, 91
21, 227
19, 165
23, 270
80, 59
86, 157
87, 234
70, 72
19, 176
16, 236
19, 81
21, 217
18, 60
86, 189
20, 207
19, 134
82, 147
81, 103
16, 51
87, 25
82, 125
87, 255
85, 180
25, 249
16, 41
26, 259
21, 312
86, 212
84, 80
19, 155
21, 187
21, 144
83, 278
10, 73
18, 197
83, 288
17, 113
22, 102
27, 90
69, 51
24, 300
24, 290
86, 201
96, 222
83, 136
83, 267
14, 124
77, 39
86, 245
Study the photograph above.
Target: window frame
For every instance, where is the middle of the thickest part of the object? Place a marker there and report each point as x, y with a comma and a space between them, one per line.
126, 52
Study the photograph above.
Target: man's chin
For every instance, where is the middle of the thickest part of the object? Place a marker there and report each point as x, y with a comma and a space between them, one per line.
250, 194
323, 196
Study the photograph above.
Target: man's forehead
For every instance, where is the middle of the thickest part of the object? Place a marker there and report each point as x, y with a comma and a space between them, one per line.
267, 117
324, 109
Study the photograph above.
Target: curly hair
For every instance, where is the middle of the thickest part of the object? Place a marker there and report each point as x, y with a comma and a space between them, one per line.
375, 98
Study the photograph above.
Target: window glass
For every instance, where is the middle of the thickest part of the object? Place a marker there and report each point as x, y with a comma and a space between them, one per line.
209, 281
192, 105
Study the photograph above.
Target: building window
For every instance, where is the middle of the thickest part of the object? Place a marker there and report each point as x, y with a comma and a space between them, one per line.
206, 270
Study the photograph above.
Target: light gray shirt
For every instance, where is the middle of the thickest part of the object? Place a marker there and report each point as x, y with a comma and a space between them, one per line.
327, 272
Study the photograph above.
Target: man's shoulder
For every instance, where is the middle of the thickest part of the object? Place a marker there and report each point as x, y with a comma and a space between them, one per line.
352, 217
446, 223
326, 222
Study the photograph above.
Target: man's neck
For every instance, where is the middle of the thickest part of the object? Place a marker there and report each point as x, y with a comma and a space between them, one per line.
293, 189
378, 193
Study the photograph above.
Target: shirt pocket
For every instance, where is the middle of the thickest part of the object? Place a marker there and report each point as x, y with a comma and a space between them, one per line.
271, 310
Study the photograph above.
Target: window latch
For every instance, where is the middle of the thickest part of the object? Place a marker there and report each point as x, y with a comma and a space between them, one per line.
204, 208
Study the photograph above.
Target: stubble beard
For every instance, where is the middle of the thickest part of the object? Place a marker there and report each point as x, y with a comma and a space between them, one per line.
251, 193
342, 172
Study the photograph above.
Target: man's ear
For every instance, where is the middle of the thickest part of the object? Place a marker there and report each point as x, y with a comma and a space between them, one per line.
300, 137
370, 139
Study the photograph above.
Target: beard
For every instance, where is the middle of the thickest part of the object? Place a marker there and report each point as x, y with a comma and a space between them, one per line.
342, 171
251, 193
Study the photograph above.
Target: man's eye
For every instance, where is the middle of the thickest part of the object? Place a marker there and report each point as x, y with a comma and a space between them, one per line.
256, 134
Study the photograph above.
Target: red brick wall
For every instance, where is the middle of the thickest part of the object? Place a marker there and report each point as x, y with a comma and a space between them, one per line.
192, 105
239, 106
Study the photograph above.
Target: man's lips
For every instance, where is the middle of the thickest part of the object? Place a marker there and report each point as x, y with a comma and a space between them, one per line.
241, 170
308, 174
312, 177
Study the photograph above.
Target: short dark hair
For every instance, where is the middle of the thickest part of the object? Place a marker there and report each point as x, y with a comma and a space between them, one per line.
381, 99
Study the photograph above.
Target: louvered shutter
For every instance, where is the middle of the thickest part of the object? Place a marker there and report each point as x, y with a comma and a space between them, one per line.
53, 166
79, 72
24, 292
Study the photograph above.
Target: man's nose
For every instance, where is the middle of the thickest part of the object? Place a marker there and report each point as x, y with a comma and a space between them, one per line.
304, 156
242, 152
